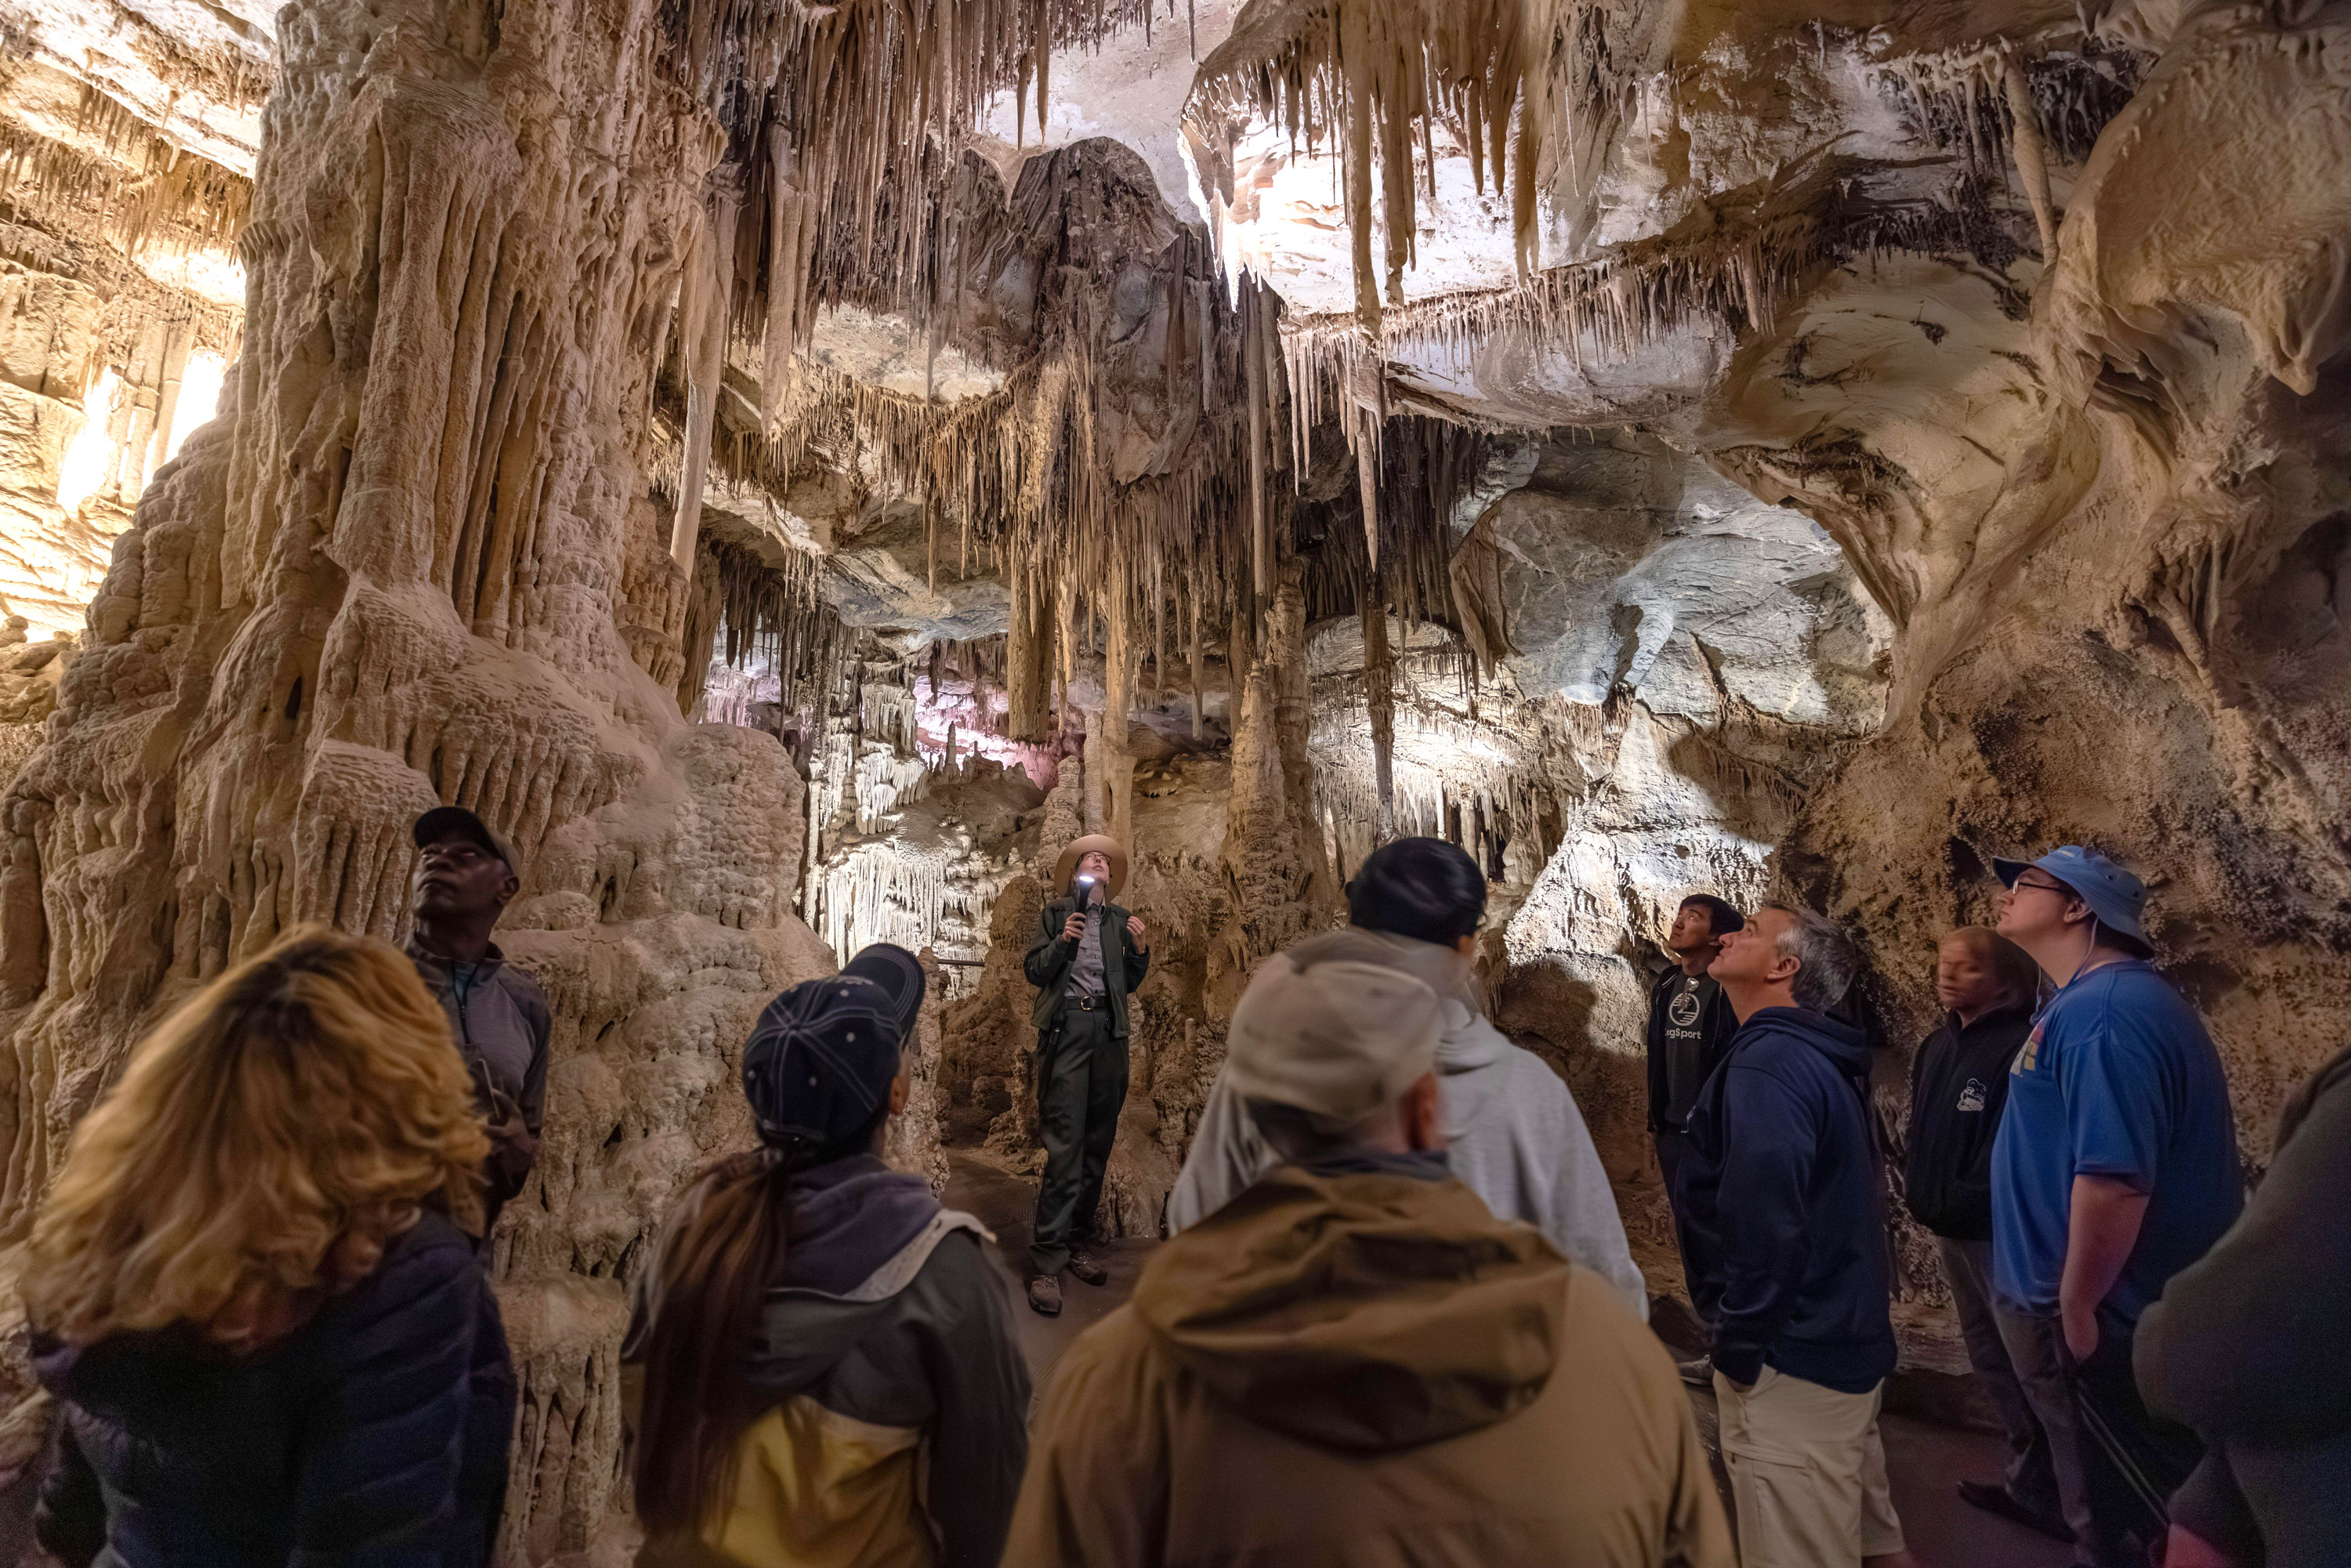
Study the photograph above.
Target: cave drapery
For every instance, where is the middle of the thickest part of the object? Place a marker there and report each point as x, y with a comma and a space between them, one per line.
791, 468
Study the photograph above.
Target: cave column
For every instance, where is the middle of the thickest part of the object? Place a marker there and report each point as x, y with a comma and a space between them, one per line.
1028, 657
179, 338
1379, 695
1277, 867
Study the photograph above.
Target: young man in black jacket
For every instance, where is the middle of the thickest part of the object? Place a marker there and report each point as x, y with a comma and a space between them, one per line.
1089, 954
1690, 1026
1959, 1086
1783, 1187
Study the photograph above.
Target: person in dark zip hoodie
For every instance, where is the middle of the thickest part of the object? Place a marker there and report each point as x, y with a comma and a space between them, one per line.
1783, 1181
821, 1354
1959, 1086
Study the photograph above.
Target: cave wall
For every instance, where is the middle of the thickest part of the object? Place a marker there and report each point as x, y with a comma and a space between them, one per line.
399, 571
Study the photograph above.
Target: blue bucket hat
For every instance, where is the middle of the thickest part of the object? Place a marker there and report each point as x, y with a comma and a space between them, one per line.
2114, 895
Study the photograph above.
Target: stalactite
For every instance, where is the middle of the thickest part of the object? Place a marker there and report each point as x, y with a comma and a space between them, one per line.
147, 192
1253, 367
2032, 155
1369, 78
1116, 781
704, 308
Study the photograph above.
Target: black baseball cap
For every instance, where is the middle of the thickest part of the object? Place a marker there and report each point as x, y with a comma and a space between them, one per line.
898, 972
819, 1064
444, 823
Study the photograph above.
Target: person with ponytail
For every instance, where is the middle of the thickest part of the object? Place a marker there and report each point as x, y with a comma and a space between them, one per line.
268, 1336
825, 1368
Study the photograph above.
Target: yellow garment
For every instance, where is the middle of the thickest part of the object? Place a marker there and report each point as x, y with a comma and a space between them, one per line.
815, 1489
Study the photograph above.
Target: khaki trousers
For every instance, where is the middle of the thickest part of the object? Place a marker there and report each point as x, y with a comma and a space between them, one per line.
1807, 1473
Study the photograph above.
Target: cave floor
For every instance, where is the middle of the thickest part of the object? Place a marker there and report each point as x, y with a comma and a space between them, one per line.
1925, 1458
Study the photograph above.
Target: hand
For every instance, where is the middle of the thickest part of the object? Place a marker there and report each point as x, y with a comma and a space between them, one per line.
513, 1150
1137, 935
2081, 1327
1074, 928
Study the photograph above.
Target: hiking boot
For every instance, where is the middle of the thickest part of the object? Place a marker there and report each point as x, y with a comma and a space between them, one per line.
1697, 1374
1999, 1500
1045, 1294
1083, 1265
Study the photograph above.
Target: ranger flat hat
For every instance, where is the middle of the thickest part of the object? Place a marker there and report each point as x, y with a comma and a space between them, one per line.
1064, 868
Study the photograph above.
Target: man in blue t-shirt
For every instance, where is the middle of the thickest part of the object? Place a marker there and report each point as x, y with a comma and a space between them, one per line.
2115, 1168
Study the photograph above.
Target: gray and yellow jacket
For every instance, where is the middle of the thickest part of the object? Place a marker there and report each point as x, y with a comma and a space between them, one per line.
1048, 964
895, 1422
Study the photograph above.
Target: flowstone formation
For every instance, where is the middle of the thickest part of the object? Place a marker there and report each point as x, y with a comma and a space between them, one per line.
798, 466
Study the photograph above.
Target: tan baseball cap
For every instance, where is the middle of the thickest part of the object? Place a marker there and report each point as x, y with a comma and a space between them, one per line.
1327, 1029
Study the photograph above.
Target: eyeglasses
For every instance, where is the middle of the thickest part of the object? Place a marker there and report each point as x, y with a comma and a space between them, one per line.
2020, 884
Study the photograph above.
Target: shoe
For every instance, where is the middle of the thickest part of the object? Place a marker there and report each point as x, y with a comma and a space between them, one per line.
2001, 1501
1083, 1265
1697, 1374
1045, 1295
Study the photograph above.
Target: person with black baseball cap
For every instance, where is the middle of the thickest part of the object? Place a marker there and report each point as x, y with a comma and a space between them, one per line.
467, 873
2115, 1169
828, 1370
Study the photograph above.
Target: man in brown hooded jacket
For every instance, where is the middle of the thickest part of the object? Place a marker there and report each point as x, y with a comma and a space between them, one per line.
1354, 1363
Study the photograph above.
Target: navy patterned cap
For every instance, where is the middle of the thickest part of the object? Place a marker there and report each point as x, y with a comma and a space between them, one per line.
819, 1064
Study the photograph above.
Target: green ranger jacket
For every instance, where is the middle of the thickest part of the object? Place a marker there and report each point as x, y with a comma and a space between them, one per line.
1048, 963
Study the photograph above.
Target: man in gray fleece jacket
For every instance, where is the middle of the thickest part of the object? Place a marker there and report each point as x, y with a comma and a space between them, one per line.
1513, 1132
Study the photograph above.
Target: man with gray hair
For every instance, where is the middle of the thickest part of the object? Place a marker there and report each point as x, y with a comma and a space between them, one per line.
1353, 1364
1784, 1180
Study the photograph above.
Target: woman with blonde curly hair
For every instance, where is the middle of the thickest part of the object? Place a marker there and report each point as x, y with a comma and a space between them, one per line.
270, 1340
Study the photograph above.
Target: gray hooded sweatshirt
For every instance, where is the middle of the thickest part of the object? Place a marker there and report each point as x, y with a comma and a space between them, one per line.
1513, 1132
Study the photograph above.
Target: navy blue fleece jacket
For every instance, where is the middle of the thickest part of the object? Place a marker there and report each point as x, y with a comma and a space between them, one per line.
1783, 1182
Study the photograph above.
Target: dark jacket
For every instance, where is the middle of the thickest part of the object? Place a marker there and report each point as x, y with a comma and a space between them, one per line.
501, 1030
2246, 1346
1048, 964
374, 1434
1959, 1086
1783, 1182
1691, 1037
885, 1365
